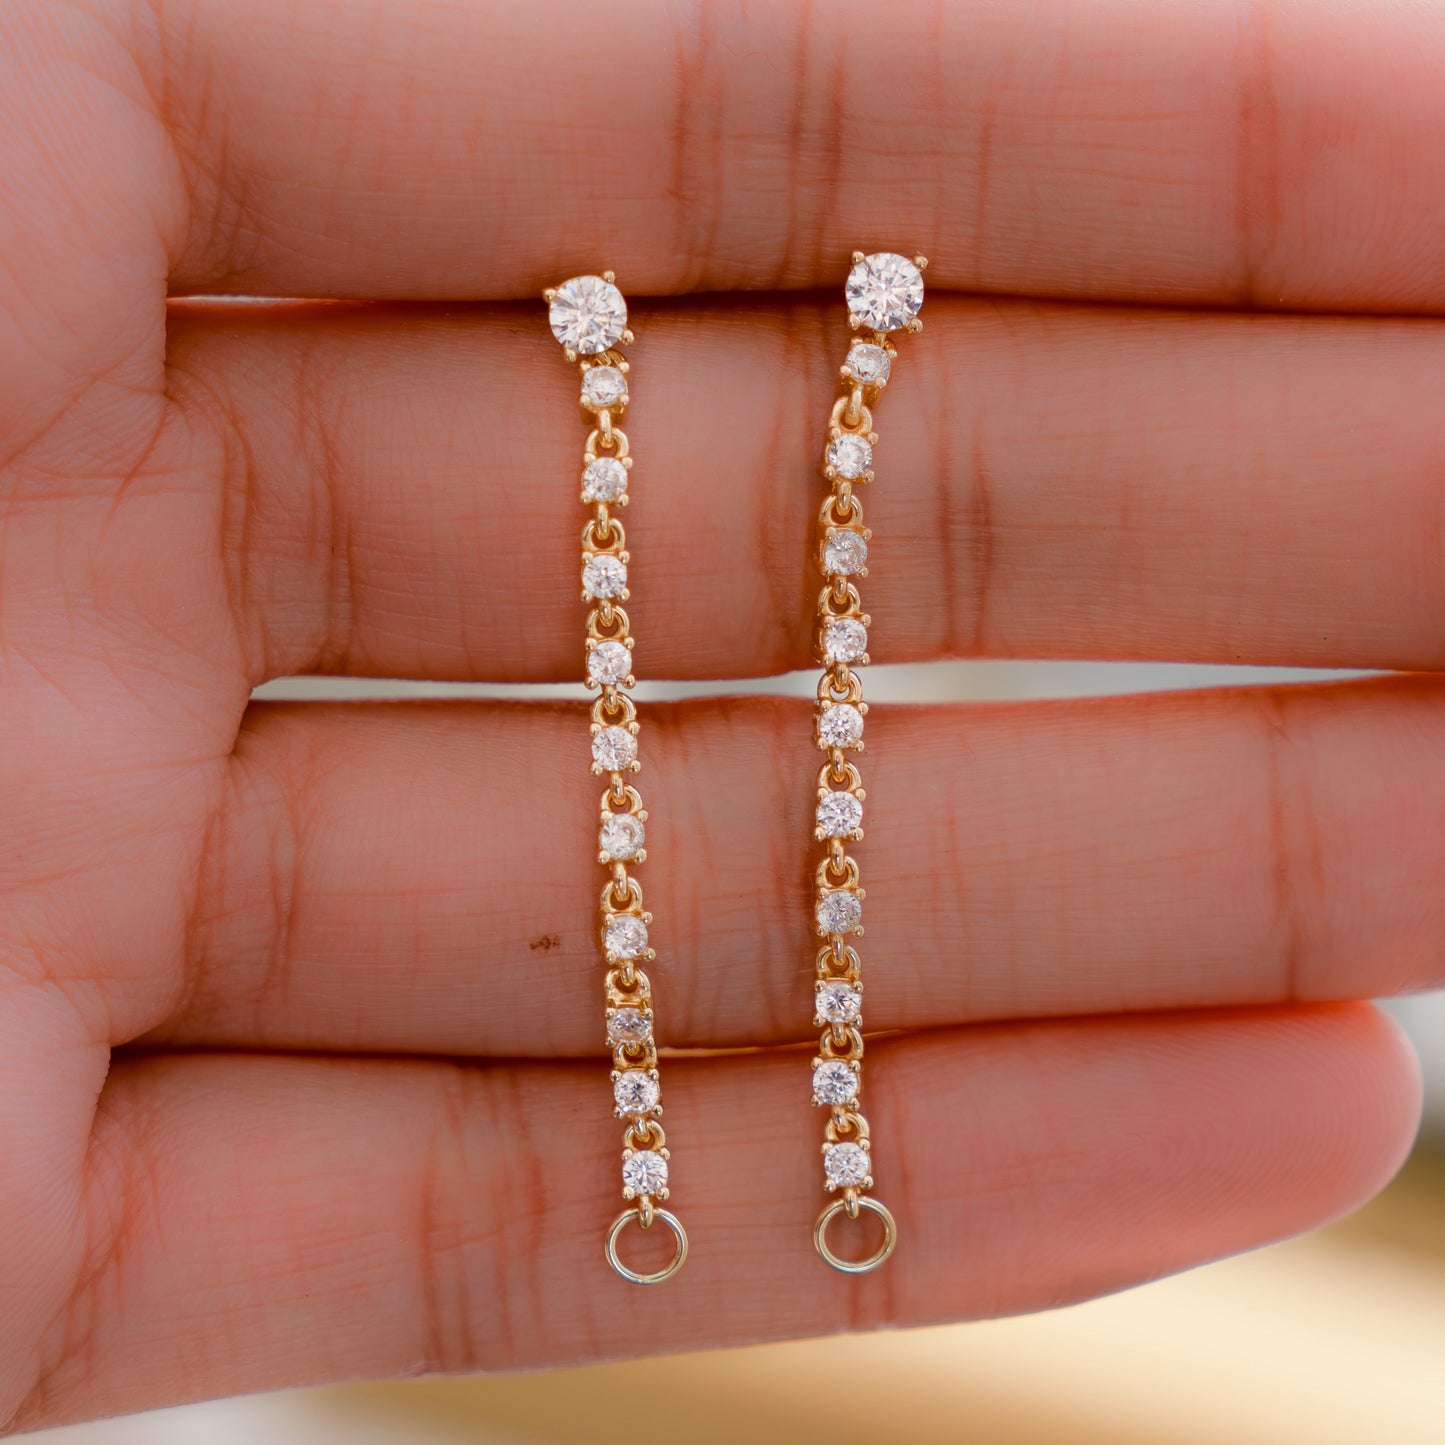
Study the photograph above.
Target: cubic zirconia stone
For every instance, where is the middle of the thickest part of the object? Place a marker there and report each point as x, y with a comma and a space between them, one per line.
645, 1172
868, 364
614, 749
839, 911
845, 639
850, 456
629, 1026
841, 726
621, 836
834, 1082
845, 1165
624, 935
635, 1091
588, 315
884, 291
839, 814
609, 661
604, 479
604, 575
603, 386
839, 1003
845, 554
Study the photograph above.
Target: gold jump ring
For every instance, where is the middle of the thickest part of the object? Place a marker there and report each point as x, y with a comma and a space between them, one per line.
668, 1270
859, 1266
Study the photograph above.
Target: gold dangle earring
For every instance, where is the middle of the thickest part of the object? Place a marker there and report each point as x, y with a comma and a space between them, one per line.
884, 293
588, 317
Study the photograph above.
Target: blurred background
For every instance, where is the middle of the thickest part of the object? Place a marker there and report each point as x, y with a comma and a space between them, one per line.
1334, 1339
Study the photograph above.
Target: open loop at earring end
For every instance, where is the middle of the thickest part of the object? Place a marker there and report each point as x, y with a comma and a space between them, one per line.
855, 1266
634, 1276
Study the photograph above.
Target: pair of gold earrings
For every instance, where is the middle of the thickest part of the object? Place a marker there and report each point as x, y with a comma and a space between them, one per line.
588, 316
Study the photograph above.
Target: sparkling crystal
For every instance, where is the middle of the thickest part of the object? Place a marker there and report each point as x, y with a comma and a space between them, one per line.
850, 456
603, 386
614, 748
588, 315
845, 1164
884, 291
841, 726
845, 639
845, 554
621, 836
624, 935
839, 814
868, 364
635, 1091
609, 661
839, 911
834, 1082
604, 575
645, 1172
604, 479
839, 1003
629, 1026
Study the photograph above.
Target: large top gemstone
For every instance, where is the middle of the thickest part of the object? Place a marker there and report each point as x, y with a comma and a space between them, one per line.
588, 315
885, 291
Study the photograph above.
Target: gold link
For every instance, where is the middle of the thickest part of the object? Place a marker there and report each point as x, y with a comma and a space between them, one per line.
849, 1047
596, 538
643, 1134
616, 439
608, 621
838, 417
845, 1125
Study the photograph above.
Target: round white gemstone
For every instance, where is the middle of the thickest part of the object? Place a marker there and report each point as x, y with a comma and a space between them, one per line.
588, 315
850, 456
834, 1082
839, 1003
869, 364
845, 1164
841, 726
645, 1172
609, 661
635, 1091
845, 639
604, 575
845, 554
604, 479
603, 386
839, 912
839, 814
624, 935
884, 291
614, 748
621, 836
629, 1026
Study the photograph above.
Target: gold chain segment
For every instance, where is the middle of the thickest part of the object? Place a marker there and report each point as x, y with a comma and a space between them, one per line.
884, 293
589, 317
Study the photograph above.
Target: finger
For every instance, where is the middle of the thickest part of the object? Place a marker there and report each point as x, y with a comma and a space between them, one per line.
448, 150
262, 1222
396, 491
380, 877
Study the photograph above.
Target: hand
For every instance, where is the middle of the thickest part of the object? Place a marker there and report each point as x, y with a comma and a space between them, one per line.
300, 1064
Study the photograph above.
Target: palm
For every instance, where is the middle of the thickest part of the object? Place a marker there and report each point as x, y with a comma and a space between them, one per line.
316, 934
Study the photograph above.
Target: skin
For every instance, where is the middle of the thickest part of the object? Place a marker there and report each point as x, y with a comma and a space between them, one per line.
299, 1012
